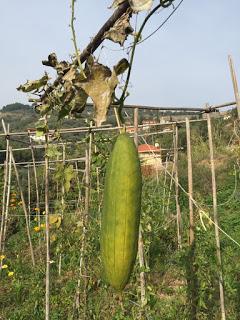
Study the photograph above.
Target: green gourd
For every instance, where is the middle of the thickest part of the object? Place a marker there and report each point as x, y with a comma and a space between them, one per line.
121, 212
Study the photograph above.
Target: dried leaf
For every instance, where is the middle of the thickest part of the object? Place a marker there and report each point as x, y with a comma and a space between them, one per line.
116, 3
62, 67
100, 86
71, 74
34, 85
121, 29
52, 60
121, 66
55, 219
140, 5
78, 104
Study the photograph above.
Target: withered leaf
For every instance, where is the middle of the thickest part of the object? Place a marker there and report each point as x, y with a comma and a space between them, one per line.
140, 5
116, 3
121, 66
121, 29
34, 85
78, 104
100, 86
52, 60
62, 67
136, 5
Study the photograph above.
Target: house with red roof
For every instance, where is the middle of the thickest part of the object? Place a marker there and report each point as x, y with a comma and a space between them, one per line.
150, 157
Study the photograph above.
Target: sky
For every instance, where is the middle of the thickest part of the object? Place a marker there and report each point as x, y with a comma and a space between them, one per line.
183, 64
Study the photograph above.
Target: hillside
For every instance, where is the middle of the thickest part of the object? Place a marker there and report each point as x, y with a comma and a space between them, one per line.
180, 284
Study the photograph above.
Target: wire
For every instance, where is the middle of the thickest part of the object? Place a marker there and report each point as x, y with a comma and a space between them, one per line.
162, 24
151, 34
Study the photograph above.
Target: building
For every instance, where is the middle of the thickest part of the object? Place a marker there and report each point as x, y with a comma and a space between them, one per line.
150, 158
38, 138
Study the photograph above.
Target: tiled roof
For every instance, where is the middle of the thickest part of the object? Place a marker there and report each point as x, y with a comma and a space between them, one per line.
148, 148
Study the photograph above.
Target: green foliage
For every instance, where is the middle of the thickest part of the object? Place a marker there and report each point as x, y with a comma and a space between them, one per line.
180, 284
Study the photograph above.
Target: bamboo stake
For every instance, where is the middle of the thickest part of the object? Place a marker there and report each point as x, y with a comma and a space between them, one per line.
165, 182
6, 167
35, 180
24, 206
190, 183
140, 238
235, 84
62, 204
29, 193
86, 218
170, 190
79, 186
179, 218
62, 187
215, 213
7, 200
3, 205
136, 126
117, 117
47, 232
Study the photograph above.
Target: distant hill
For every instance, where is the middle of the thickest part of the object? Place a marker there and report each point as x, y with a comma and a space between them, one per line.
17, 107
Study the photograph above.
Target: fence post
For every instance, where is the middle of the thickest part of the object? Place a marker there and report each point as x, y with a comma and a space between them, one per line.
140, 238
215, 213
190, 183
235, 84
179, 218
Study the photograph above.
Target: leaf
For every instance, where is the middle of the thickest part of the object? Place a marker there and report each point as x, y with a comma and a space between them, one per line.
99, 86
34, 85
53, 237
55, 219
52, 60
140, 5
69, 174
41, 128
121, 29
40, 132
43, 109
116, 3
53, 152
121, 66
78, 104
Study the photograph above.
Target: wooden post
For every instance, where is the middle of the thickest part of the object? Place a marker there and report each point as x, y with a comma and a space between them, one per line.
85, 223
215, 213
140, 238
62, 187
7, 199
190, 183
3, 207
235, 84
23, 206
79, 186
35, 179
136, 126
179, 218
29, 193
47, 231
117, 117
165, 183
6, 168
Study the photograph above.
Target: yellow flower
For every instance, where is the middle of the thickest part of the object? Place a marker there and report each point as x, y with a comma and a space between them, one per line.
37, 209
10, 273
36, 219
5, 266
42, 225
2, 257
37, 229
